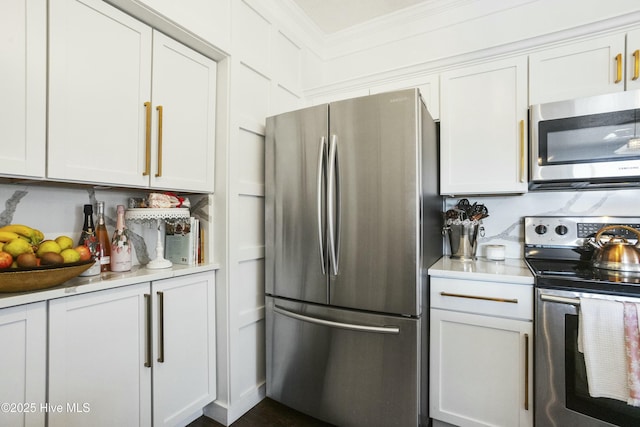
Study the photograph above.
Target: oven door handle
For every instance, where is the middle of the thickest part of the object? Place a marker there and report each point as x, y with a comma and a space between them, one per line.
562, 300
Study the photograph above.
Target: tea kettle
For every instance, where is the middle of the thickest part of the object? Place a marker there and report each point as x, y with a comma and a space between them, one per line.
616, 253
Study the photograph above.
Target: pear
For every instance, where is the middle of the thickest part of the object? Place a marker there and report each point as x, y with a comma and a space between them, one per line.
65, 242
70, 255
48, 246
17, 247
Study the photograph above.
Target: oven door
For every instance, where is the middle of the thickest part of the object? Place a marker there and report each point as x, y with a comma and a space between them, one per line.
588, 138
561, 390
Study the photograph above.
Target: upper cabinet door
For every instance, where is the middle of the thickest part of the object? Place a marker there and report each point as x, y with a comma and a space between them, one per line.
577, 70
23, 50
483, 122
184, 100
99, 81
633, 60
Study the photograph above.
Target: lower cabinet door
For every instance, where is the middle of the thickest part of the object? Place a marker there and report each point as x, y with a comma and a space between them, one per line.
481, 370
23, 365
184, 370
98, 349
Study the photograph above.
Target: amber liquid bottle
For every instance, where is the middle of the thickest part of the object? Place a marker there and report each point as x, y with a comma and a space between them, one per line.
104, 240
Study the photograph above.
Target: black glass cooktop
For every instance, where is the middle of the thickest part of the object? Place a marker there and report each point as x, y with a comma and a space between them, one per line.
580, 274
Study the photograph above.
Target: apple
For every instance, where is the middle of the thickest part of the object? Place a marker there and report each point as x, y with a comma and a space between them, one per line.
85, 253
5, 260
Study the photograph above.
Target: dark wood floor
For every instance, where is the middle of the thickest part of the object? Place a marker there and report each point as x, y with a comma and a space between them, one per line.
267, 413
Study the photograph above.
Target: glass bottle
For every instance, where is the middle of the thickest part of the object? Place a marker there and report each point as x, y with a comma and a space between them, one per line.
88, 238
120, 247
104, 242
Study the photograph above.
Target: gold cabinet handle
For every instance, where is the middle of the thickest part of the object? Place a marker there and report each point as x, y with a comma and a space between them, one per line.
147, 142
509, 300
618, 68
526, 372
161, 327
636, 65
159, 108
147, 358
522, 148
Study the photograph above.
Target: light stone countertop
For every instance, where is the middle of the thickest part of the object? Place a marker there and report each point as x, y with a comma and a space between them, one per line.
107, 280
509, 271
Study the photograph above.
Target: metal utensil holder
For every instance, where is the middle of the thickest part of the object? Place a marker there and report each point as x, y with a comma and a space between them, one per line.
463, 240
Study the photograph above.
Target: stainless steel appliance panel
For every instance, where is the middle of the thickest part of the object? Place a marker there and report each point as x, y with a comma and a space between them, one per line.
295, 233
374, 211
586, 143
345, 367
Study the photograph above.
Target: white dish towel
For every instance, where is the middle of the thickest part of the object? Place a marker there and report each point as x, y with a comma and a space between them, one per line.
601, 340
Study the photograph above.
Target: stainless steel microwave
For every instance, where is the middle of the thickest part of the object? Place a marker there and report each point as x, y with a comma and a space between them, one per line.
586, 143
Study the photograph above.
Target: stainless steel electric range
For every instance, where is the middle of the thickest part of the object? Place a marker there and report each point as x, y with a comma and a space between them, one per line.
558, 254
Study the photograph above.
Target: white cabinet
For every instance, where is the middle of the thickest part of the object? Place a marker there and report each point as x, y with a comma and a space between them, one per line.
97, 353
576, 70
481, 353
633, 60
593, 67
109, 122
23, 358
184, 370
23, 53
483, 122
119, 354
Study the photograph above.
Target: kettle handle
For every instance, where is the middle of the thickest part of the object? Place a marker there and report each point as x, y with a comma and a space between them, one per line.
617, 227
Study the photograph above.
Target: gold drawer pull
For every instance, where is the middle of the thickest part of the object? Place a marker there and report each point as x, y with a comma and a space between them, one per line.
636, 65
509, 300
526, 372
618, 68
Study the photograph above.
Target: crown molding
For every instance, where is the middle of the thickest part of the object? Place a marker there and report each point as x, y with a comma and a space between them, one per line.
422, 18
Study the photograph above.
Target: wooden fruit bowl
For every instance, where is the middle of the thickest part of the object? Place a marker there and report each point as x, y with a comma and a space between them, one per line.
42, 277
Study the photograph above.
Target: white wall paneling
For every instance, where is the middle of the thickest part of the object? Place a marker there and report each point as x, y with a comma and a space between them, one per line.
287, 60
252, 37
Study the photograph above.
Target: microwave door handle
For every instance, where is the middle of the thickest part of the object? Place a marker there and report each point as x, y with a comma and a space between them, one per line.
322, 160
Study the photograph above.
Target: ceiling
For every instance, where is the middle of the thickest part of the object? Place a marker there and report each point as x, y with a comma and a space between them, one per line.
335, 15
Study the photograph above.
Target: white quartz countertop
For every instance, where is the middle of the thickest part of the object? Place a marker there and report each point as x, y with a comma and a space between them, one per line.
482, 269
107, 280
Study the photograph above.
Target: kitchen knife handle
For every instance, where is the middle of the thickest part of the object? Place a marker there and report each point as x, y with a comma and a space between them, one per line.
618, 68
332, 209
322, 154
147, 141
636, 65
526, 372
159, 109
522, 151
161, 326
147, 358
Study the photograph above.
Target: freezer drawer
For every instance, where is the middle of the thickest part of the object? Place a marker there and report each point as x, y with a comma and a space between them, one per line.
345, 367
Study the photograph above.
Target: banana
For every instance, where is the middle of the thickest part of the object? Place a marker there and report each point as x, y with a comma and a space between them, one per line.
38, 236
20, 229
6, 236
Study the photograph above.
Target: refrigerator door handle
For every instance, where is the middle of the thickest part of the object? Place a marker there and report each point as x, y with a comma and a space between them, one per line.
333, 205
322, 154
350, 326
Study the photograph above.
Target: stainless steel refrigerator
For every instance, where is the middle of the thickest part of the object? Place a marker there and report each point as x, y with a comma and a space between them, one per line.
353, 221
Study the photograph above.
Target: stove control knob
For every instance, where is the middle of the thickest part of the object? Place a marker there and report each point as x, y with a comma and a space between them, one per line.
541, 229
562, 230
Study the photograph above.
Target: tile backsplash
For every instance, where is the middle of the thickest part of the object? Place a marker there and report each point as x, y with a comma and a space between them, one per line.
504, 224
58, 210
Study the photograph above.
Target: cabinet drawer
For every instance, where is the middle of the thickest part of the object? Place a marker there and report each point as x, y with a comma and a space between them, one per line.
491, 298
